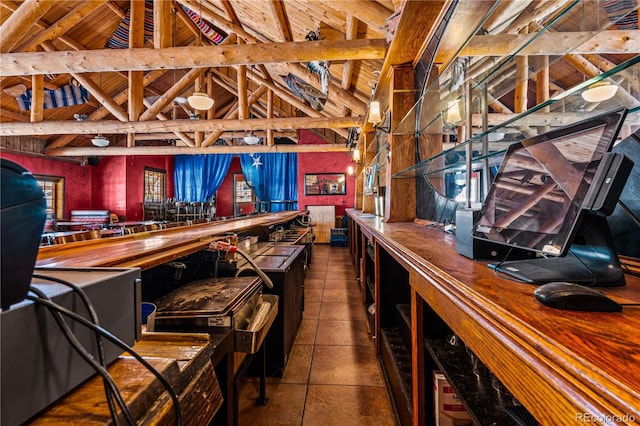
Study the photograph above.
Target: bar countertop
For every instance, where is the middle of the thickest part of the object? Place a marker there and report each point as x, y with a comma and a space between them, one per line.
563, 366
148, 249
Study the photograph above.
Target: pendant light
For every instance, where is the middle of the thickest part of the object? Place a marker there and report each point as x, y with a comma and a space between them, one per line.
200, 101
600, 92
251, 139
100, 141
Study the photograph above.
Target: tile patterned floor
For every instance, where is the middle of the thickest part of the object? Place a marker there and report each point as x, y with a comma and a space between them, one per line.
333, 375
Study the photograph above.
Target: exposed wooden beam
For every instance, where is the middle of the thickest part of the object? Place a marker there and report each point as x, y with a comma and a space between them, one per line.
20, 21
93, 88
28, 63
168, 97
282, 22
351, 33
37, 101
172, 150
554, 43
184, 125
103, 112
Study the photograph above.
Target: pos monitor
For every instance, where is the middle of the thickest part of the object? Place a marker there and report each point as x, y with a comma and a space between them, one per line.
551, 196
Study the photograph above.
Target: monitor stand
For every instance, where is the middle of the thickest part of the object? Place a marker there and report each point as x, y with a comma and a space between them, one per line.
592, 260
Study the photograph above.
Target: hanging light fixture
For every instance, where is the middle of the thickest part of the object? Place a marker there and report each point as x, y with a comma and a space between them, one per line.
100, 141
599, 92
200, 101
251, 139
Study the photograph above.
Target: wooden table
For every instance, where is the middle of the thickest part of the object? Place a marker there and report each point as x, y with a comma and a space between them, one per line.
183, 359
148, 249
559, 364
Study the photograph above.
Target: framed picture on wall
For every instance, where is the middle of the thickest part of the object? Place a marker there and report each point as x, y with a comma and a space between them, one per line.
325, 184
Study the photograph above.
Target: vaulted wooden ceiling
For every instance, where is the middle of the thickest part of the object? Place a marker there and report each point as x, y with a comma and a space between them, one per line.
137, 93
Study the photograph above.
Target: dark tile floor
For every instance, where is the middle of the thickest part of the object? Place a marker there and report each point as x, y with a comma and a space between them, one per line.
333, 375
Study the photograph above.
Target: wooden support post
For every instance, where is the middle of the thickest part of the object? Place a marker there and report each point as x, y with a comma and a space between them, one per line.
400, 194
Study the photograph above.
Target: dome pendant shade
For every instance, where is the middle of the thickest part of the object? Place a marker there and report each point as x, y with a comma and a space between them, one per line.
100, 141
251, 139
200, 101
599, 92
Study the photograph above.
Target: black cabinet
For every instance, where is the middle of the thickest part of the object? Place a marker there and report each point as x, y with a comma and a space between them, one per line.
284, 265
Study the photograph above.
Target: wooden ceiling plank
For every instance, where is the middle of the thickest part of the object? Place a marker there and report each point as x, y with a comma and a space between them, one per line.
182, 125
20, 21
79, 12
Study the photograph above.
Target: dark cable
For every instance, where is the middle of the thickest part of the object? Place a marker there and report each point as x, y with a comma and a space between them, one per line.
114, 339
109, 384
94, 317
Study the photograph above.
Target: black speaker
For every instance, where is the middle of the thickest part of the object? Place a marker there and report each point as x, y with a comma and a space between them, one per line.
22, 217
478, 249
93, 161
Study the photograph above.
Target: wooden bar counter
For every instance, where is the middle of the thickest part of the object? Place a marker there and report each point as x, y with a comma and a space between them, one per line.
148, 249
564, 367
184, 360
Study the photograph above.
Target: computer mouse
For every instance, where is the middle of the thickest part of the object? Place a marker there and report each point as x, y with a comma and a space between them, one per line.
575, 297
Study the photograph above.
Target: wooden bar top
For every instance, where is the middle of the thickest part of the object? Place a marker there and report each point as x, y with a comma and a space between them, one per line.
148, 249
184, 359
563, 366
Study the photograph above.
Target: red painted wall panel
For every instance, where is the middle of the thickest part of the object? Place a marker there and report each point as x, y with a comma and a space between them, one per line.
78, 178
115, 183
324, 162
224, 198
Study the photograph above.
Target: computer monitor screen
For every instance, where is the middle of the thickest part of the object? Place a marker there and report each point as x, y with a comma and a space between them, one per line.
536, 197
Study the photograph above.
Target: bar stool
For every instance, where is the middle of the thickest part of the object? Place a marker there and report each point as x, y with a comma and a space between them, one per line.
182, 211
196, 210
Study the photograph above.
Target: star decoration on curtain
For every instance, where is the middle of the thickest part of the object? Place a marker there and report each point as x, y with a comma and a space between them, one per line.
256, 162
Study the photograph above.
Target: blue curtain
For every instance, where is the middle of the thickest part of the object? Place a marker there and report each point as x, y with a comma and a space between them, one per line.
273, 178
198, 177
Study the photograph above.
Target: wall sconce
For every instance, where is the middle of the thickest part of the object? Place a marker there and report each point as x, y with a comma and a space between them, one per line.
375, 118
350, 170
356, 155
374, 113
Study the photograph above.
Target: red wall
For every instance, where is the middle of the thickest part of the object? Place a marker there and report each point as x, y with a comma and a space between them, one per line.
78, 178
324, 162
115, 184
224, 197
